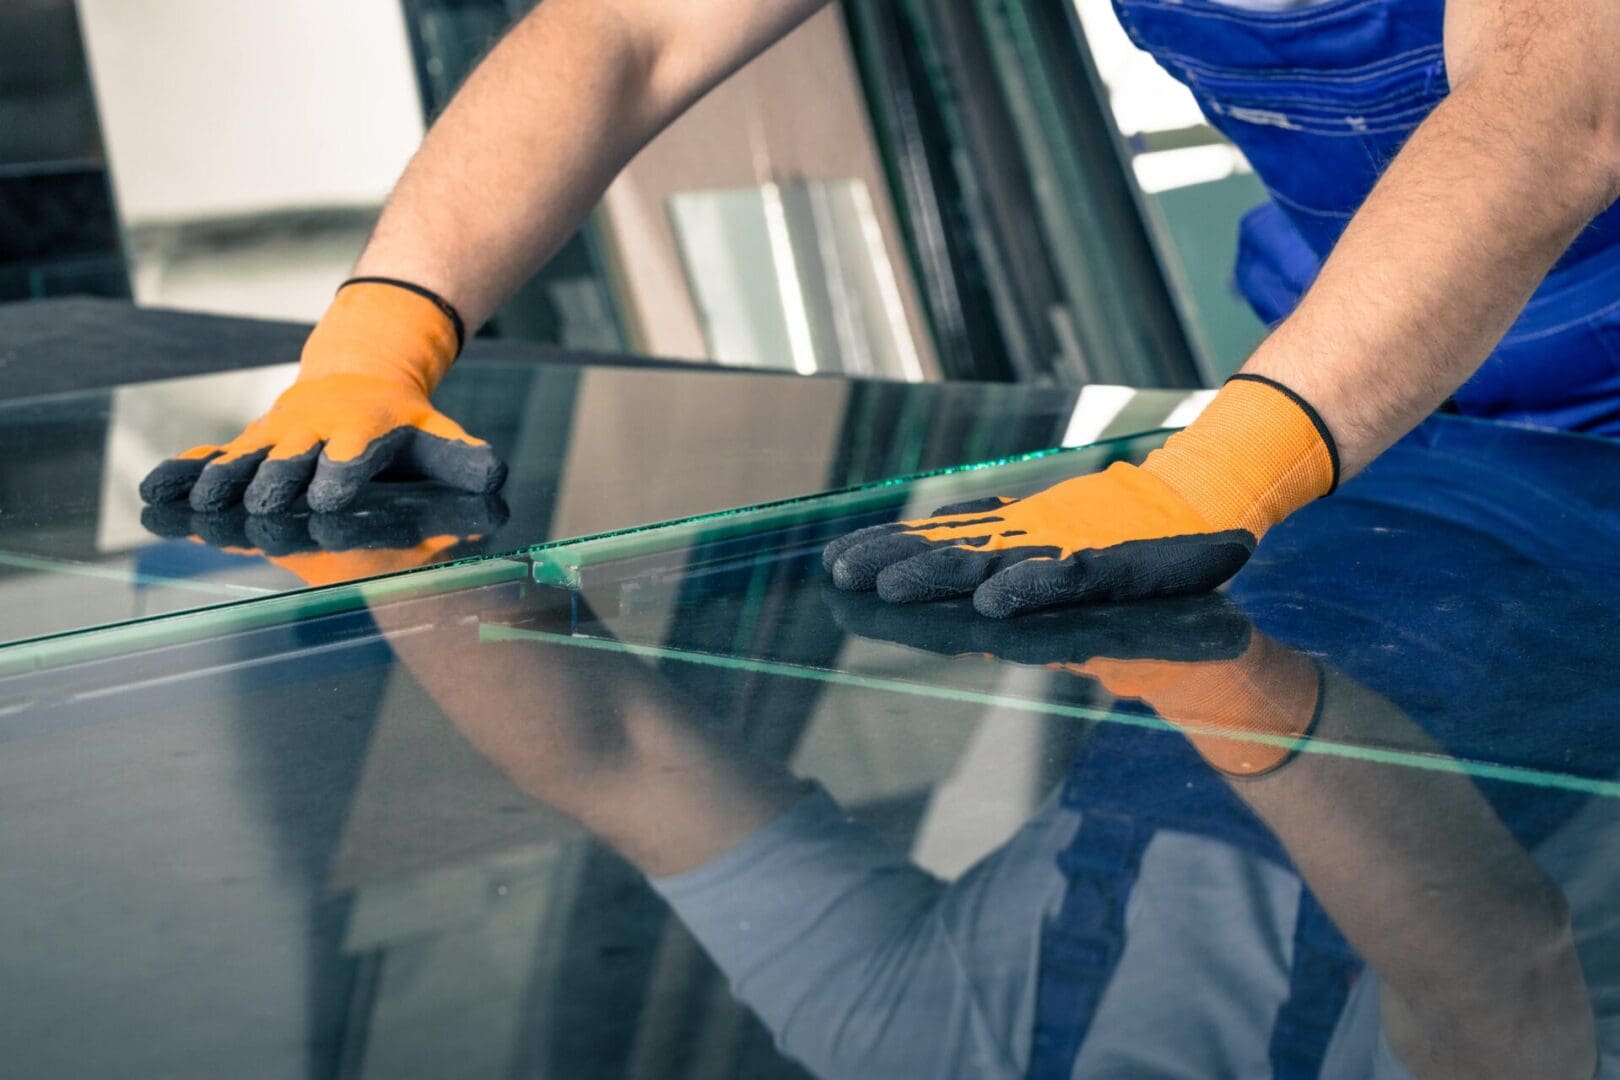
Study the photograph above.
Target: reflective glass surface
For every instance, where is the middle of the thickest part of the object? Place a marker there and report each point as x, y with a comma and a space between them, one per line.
591, 449
665, 803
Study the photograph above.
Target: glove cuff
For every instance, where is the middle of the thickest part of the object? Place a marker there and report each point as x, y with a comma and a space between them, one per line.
1258, 453
382, 328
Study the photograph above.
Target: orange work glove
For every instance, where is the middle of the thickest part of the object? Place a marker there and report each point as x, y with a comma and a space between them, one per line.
359, 406
1183, 521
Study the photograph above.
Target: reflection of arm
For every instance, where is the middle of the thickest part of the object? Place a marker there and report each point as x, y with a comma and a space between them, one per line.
1471, 940
851, 955
1465, 223
596, 735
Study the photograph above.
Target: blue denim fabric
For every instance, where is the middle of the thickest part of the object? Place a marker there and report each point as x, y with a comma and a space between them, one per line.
1127, 784
1321, 100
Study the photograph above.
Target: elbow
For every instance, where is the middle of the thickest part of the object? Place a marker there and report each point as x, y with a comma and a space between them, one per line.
1557, 104
1609, 157
1583, 152
1591, 154
1591, 119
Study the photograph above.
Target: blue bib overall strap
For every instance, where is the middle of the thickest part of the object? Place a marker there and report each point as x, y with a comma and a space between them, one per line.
1127, 784
1320, 100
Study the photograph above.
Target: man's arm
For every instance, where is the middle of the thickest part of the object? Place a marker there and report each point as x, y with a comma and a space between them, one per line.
528, 145
1473, 212
1425, 282
518, 159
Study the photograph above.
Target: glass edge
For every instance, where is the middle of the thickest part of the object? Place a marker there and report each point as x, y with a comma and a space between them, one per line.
557, 562
75, 646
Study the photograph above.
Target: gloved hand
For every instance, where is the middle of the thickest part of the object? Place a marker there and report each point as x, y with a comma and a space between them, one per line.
359, 406
1240, 698
410, 529
1183, 521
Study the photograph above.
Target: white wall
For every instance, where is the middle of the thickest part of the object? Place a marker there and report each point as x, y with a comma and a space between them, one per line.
227, 107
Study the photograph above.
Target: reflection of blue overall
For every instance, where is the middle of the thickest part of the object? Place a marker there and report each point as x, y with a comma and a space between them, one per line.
1320, 100
1456, 503
1127, 784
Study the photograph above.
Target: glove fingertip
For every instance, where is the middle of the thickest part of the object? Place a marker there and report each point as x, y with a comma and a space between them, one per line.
835, 550
473, 469
494, 475
221, 484
172, 479
279, 482
328, 493
1001, 603
471, 466
852, 577
939, 574
1032, 585
895, 586
271, 498
164, 486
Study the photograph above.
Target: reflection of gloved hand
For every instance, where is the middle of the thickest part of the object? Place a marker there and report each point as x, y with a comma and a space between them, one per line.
1239, 697
383, 535
359, 406
1182, 522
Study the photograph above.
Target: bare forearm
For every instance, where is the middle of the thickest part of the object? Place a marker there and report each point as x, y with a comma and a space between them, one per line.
518, 158
1441, 259
529, 144
592, 733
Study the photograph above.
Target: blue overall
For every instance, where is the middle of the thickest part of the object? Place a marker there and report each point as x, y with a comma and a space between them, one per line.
1320, 100
1455, 503
1128, 784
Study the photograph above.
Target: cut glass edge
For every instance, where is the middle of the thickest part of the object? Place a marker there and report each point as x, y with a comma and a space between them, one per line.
231, 616
559, 562
1478, 769
555, 563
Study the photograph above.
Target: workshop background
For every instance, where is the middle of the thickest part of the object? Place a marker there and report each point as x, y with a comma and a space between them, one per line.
915, 189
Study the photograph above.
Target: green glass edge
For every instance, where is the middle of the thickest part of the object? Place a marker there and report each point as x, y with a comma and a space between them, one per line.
78, 646
225, 591
1432, 762
554, 563
559, 562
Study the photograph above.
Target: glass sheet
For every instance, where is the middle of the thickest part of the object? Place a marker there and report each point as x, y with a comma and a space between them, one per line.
697, 814
591, 449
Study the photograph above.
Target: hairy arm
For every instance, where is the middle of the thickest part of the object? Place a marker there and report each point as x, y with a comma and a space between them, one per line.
1474, 211
529, 144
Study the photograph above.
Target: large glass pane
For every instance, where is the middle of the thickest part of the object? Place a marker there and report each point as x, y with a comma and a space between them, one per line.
591, 450
699, 814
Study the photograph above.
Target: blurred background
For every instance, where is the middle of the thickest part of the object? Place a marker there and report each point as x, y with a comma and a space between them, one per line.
905, 189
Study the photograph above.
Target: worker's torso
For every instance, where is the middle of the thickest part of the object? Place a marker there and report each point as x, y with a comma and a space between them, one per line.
1321, 95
